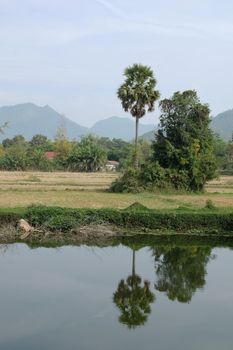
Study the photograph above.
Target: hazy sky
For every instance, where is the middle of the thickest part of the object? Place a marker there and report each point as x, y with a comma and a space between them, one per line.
71, 54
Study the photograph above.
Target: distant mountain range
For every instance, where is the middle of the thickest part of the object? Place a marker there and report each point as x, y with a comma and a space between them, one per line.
222, 125
29, 119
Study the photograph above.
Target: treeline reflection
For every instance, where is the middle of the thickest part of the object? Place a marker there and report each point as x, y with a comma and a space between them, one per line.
179, 272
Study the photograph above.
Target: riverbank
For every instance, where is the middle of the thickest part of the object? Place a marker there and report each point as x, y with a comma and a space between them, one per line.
71, 226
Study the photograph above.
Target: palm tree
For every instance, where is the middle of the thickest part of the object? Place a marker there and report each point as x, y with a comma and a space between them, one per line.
133, 297
138, 95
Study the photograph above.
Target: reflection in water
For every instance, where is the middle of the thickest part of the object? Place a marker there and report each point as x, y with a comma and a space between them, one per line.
180, 271
133, 297
52, 300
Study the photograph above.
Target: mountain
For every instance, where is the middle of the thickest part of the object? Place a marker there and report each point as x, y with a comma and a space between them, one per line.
222, 124
28, 119
116, 127
150, 135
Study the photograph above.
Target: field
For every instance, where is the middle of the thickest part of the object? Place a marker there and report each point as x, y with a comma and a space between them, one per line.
20, 189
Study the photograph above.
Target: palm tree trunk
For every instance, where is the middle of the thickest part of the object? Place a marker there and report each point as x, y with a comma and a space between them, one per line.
136, 144
133, 264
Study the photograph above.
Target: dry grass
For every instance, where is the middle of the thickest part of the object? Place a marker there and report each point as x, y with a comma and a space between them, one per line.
87, 190
55, 180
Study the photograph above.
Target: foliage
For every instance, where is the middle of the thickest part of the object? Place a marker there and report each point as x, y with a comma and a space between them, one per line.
40, 142
88, 156
133, 299
213, 222
180, 271
128, 182
14, 157
220, 148
138, 94
184, 142
62, 147
61, 223
116, 149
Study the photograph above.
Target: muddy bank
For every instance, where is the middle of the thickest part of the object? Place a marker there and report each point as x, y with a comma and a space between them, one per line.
10, 233
41, 224
108, 235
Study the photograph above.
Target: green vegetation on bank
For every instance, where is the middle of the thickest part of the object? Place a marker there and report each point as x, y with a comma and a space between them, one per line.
64, 219
135, 218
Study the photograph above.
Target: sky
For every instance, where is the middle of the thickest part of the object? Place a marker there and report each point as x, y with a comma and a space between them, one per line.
71, 54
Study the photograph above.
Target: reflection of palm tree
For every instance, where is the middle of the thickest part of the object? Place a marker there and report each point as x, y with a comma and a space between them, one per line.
180, 271
133, 299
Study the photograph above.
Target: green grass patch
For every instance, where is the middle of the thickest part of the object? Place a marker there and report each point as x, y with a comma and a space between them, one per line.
201, 221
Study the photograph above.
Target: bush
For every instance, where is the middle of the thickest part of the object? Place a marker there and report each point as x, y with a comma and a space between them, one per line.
62, 223
149, 177
128, 182
152, 175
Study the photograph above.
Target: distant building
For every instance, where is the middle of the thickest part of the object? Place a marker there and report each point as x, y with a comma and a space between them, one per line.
112, 165
50, 155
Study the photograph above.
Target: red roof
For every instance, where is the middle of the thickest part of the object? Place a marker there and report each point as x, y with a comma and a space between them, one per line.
50, 155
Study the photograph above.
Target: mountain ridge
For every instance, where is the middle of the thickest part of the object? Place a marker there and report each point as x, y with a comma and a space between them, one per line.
28, 119
222, 125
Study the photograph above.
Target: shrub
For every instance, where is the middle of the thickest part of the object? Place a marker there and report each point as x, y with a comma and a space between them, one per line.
128, 182
62, 223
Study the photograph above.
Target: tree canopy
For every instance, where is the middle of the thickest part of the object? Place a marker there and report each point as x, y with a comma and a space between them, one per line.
138, 94
184, 142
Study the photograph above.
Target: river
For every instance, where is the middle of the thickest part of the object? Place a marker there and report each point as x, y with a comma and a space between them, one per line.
118, 297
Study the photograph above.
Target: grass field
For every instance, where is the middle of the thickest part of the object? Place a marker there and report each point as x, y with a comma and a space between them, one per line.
20, 189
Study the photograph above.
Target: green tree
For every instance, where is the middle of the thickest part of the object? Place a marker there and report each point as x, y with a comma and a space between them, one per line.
41, 142
138, 95
184, 142
116, 149
37, 160
133, 297
15, 157
62, 147
87, 156
7, 143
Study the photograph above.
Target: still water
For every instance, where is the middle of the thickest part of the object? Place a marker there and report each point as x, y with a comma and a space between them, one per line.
157, 297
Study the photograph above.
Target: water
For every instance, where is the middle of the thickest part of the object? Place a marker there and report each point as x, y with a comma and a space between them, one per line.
81, 298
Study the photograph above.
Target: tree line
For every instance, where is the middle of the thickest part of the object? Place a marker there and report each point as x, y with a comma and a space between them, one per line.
90, 154
184, 154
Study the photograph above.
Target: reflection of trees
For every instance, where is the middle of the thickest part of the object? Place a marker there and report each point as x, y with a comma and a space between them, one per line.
133, 297
180, 270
